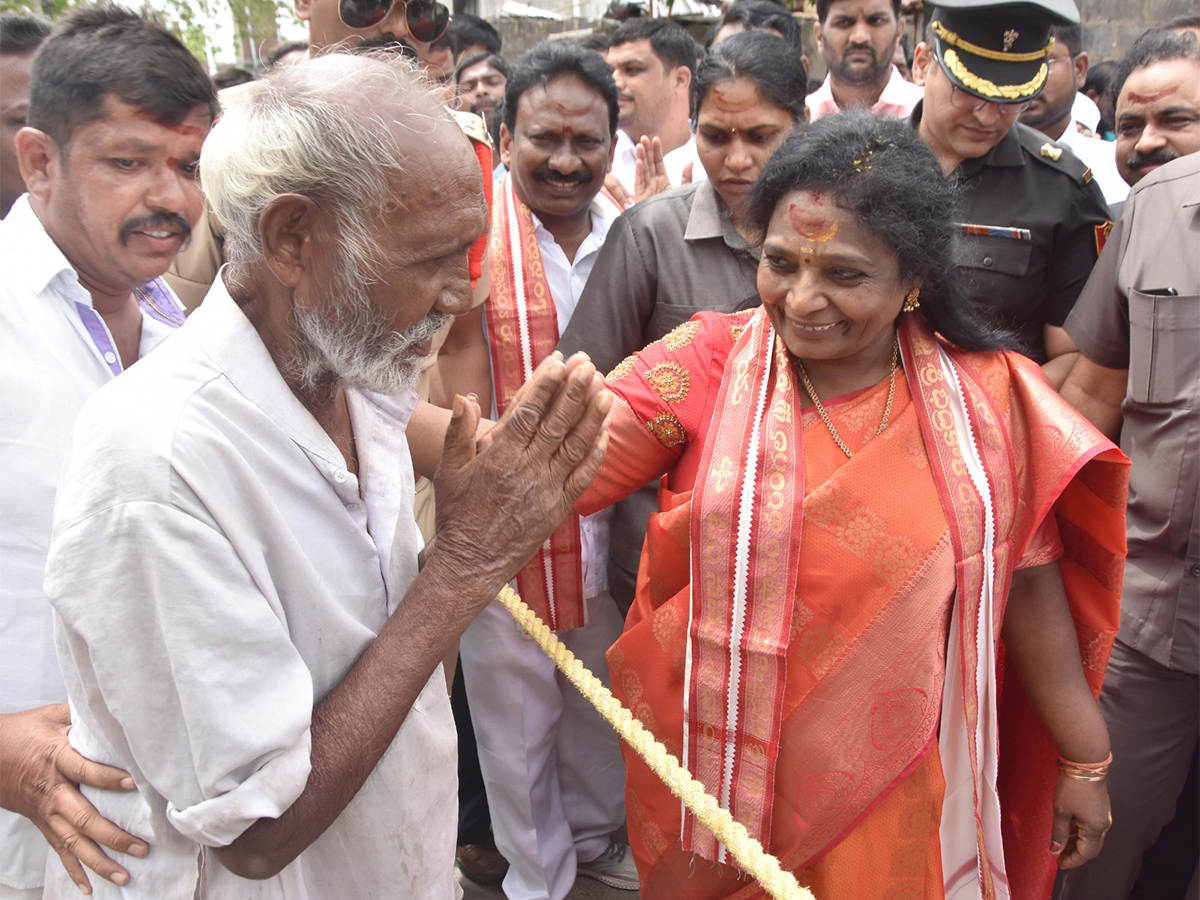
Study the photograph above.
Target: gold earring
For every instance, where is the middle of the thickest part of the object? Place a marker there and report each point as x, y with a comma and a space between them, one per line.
912, 301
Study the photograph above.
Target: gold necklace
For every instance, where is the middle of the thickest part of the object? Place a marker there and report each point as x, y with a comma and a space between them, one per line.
887, 409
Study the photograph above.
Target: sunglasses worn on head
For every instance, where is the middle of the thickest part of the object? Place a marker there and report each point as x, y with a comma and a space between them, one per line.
426, 19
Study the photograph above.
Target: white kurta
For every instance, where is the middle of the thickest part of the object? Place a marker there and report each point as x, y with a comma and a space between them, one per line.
55, 352
215, 571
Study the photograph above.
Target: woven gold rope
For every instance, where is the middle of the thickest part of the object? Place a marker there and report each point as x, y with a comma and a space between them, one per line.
748, 852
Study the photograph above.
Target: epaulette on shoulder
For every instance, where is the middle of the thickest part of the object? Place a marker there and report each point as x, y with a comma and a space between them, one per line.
1057, 156
472, 126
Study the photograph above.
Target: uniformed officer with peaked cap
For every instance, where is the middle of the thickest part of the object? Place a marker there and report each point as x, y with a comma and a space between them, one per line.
1032, 219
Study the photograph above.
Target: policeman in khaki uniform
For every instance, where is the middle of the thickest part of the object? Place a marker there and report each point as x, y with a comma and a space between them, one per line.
1033, 220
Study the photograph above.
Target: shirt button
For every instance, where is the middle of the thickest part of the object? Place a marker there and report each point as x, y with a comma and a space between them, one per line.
987, 261
110, 357
1196, 570
340, 475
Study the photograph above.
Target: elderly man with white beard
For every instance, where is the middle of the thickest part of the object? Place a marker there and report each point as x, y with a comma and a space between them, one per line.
242, 619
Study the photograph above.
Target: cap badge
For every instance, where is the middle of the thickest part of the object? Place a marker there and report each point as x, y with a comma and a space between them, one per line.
1010, 38
1051, 152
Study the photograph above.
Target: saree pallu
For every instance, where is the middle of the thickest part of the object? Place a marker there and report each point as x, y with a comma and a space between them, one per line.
856, 786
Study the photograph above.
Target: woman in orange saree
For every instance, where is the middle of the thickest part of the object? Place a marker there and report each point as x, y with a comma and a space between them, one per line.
831, 588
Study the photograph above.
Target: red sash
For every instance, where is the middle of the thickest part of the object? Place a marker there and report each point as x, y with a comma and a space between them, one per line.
522, 330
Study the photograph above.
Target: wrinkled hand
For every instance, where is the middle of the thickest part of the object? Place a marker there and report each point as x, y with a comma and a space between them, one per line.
500, 500
650, 172
1082, 816
618, 191
39, 779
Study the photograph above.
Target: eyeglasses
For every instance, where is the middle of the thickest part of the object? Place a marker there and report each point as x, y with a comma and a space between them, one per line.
426, 19
960, 99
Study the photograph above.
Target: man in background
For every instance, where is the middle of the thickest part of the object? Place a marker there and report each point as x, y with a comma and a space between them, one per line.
479, 80
470, 34
653, 61
858, 39
118, 112
21, 33
1051, 112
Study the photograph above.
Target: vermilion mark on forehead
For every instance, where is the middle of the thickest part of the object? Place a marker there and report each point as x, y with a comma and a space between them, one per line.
567, 131
733, 100
1133, 97
181, 129
811, 228
563, 110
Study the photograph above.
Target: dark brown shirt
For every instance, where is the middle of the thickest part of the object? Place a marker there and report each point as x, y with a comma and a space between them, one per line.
1140, 311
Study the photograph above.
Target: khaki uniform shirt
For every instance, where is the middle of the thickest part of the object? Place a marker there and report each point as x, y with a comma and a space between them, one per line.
1140, 311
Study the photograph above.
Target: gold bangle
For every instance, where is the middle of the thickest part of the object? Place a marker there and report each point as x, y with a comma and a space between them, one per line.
1097, 771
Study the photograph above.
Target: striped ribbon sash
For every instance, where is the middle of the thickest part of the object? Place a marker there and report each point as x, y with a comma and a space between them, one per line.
522, 331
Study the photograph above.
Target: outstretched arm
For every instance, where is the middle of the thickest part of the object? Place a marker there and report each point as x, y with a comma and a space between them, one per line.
496, 506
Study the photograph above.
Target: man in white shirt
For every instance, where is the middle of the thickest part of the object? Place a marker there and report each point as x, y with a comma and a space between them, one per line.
21, 33
1052, 112
653, 61
234, 567
112, 194
553, 771
859, 39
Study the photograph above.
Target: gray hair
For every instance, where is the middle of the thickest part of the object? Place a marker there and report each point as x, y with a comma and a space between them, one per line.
316, 129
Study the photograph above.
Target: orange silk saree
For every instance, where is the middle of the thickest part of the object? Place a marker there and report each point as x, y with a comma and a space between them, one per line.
794, 609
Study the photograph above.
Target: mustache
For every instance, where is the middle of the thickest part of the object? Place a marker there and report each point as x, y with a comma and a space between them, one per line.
1158, 158
860, 48
402, 48
575, 177
159, 221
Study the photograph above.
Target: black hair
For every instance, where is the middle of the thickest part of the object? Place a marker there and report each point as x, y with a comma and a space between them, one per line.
466, 30
764, 58
1186, 20
494, 128
669, 40
1155, 46
230, 76
549, 60
22, 31
761, 15
881, 172
105, 49
495, 60
1100, 77
1071, 35
595, 41
823, 9
283, 50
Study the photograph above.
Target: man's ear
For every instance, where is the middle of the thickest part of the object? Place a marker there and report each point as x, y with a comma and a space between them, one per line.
682, 78
1081, 67
506, 146
39, 159
287, 228
303, 9
818, 36
922, 60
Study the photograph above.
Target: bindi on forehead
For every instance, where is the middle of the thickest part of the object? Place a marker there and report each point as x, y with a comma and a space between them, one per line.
1134, 97
813, 228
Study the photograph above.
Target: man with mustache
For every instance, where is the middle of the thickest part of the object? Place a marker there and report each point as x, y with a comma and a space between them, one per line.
859, 39
1137, 325
238, 511
118, 110
1033, 218
480, 79
1157, 102
553, 770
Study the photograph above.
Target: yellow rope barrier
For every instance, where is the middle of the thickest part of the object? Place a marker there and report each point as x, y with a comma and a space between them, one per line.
748, 852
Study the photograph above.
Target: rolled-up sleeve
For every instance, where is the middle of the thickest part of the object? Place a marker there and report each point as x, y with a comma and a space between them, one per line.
187, 665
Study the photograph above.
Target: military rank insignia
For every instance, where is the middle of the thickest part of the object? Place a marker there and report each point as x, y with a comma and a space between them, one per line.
1102, 233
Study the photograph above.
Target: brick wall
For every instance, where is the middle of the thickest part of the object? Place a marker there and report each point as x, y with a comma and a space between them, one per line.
1111, 26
